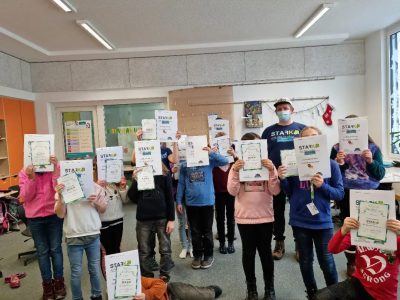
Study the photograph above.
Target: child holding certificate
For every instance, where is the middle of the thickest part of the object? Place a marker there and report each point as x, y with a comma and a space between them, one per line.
196, 186
37, 191
155, 215
254, 215
376, 272
112, 221
82, 231
310, 218
361, 172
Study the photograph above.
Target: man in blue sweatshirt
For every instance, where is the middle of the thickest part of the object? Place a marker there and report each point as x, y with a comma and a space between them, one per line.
280, 137
196, 187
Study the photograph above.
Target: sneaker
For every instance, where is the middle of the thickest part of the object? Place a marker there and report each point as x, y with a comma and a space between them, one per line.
154, 266
222, 249
279, 250
183, 253
48, 293
59, 288
207, 262
196, 263
165, 278
191, 253
231, 248
217, 290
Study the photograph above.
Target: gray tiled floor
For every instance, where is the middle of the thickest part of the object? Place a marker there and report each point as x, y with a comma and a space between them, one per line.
226, 271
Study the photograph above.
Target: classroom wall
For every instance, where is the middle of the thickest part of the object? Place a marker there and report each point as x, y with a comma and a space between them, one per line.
14, 73
346, 95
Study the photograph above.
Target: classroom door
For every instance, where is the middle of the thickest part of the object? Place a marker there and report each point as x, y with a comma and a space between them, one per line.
77, 132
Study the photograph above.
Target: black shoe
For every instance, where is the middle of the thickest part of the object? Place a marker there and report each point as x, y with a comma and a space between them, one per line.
222, 249
252, 293
310, 294
231, 248
217, 290
97, 298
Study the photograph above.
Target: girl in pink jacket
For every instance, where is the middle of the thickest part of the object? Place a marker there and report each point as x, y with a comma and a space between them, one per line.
37, 192
254, 215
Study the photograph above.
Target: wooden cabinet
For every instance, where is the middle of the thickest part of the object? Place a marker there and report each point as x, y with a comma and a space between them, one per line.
17, 117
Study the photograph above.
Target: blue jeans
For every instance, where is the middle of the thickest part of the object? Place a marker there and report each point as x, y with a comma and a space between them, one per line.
47, 236
75, 253
186, 239
320, 237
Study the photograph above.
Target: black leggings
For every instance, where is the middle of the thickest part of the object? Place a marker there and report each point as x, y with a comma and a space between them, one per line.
225, 203
111, 237
257, 237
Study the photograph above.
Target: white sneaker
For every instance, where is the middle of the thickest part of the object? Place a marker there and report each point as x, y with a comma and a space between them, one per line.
191, 253
183, 253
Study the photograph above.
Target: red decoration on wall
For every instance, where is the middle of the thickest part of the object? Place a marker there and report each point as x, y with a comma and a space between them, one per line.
327, 116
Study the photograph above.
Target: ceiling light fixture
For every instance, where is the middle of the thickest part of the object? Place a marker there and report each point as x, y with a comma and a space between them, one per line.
322, 9
95, 33
65, 5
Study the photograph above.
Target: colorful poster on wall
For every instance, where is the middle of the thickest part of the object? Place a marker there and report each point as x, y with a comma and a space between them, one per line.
78, 137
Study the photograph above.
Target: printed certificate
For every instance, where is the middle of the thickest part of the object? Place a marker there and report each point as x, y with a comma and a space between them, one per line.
145, 179
223, 143
148, 153
114, 170
218, 126
288, 158
104, 154
353, 135
149, 128
167, 125
372, 208
195, 155
113, 264
252, 152
37, 151
83, 170
72, 188
312, 156
126, 281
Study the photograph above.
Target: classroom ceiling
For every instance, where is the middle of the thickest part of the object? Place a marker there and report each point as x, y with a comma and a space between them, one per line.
37, 30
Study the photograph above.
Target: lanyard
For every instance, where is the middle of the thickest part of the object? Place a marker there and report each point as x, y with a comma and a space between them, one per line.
312, 192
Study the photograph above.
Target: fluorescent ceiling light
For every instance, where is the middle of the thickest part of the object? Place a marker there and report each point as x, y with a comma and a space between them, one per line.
313, 19
65, 5
95, 33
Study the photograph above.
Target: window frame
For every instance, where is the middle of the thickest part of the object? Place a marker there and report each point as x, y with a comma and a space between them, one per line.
389, 32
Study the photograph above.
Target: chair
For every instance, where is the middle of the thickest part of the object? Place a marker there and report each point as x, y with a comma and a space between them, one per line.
32, 255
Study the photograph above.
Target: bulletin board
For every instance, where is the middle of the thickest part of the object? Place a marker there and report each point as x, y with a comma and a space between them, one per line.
195, 104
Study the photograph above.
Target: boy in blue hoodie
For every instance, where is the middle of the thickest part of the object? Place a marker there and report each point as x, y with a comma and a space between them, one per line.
313, 228
196, 185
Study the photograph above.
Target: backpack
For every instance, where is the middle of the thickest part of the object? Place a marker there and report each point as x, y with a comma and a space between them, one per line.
3, 217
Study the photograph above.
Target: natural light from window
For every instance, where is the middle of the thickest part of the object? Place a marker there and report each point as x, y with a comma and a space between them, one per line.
394, 93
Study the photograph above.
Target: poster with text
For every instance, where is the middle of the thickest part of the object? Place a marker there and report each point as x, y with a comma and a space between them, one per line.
148, 153
167, 125
117, 287
83, 169
104, 154
37, 151
252, 152
353, 135
78, 136
312, 156
372, 209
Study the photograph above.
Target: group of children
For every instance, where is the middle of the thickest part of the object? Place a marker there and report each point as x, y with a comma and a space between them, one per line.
257, 207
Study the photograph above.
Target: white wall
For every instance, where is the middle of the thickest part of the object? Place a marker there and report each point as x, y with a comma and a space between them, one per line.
346, 94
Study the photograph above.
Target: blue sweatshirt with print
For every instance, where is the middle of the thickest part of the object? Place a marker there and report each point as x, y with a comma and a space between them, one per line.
280, 137
196, 183
299, 194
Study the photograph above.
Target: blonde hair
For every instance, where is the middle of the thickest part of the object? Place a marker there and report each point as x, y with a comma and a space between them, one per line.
312, 128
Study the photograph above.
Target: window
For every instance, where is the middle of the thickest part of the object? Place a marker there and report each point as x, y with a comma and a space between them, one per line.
394, 80
121, 122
